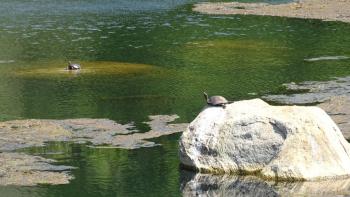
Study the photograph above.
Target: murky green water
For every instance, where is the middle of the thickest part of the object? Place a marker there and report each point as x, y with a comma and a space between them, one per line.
143, 58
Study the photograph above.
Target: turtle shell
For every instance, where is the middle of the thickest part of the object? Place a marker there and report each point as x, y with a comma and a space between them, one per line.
74, 67
217, 100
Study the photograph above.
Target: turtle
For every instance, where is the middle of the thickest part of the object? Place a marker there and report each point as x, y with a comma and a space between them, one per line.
216, 100
73, 66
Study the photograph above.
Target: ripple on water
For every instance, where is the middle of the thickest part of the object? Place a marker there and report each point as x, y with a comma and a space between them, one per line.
6, 61
323, 58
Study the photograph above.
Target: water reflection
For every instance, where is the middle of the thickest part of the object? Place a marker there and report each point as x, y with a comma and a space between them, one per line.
225, 185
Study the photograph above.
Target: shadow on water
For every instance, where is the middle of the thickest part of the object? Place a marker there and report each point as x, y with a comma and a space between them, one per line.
193, 184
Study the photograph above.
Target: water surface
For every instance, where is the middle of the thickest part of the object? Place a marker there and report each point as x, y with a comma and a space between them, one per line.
169, 56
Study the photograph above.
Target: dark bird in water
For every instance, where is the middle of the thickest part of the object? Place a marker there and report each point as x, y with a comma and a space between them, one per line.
216, 100
73, 66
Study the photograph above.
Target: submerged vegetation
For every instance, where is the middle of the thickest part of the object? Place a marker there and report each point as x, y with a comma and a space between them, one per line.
56, 69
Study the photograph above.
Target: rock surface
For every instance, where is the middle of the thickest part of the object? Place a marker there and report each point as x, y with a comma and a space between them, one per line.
338, 108
274, 142
328, 10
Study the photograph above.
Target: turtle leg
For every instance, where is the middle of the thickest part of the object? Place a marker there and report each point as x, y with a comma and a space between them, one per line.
223, 106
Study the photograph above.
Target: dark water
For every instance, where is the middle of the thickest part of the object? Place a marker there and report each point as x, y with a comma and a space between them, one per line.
172, 56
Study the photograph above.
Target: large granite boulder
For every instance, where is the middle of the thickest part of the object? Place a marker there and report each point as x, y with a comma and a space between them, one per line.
275, 142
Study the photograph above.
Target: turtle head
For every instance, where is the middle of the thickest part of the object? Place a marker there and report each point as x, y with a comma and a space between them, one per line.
69, 63
205, 96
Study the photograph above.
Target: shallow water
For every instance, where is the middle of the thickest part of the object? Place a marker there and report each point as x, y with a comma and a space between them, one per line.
145, 57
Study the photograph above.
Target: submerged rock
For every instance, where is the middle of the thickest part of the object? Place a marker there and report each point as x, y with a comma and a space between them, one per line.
228, 185
55, 69
275, 142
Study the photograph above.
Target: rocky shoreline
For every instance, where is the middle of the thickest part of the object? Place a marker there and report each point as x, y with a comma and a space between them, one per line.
327, 10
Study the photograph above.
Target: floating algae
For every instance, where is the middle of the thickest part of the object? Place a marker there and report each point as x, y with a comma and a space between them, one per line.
27, 170
318, 91
159, 127
18, 134
56, 69
21, 169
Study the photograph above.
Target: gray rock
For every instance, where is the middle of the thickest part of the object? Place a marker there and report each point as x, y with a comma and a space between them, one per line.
274, 142
337, 107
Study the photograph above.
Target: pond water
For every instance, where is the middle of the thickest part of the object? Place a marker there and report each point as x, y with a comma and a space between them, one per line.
145, 57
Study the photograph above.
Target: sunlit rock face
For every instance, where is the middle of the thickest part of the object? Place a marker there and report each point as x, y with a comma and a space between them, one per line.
275, 142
